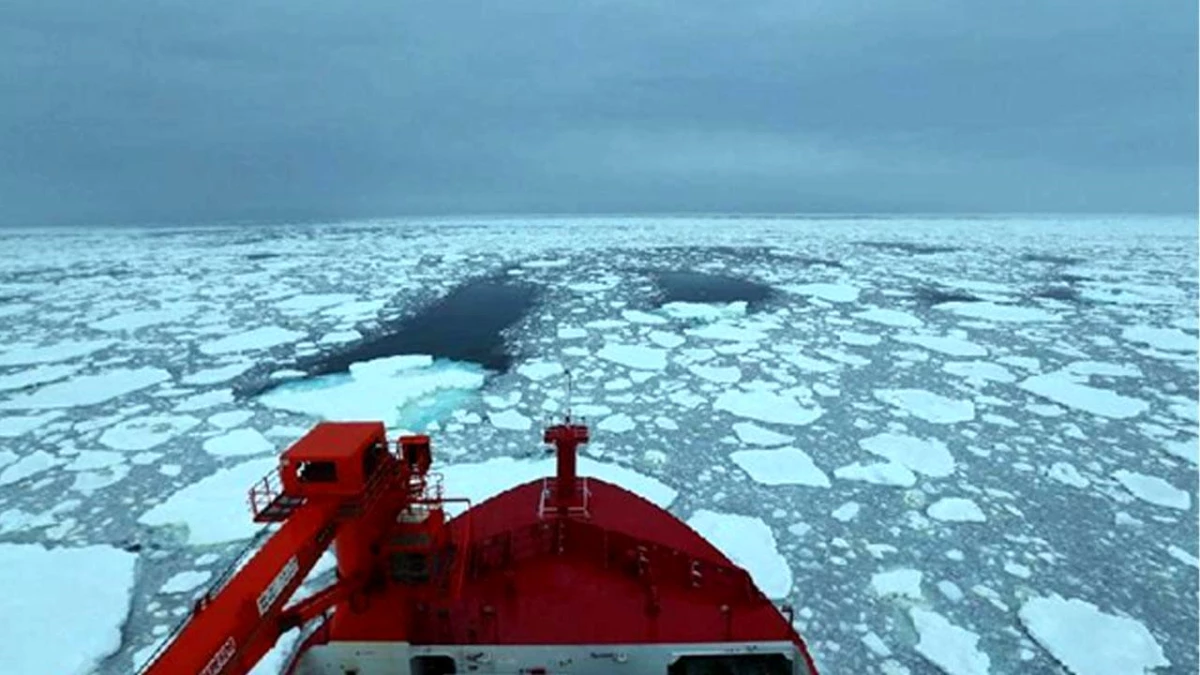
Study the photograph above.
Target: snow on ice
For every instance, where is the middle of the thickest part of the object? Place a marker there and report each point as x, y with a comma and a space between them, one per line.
953, 649
144, 433
1154, 490
956, 510
634, 356
926, 456
765, 406
237, 443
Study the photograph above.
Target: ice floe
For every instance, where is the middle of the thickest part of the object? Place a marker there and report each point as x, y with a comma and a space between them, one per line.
1003, 313
1166, 339
144, 433
390, 389
904, 583
1154, 490
752, 434
1067, 474
183, 582
750, 544
38, 375
238, 442
88, 389
216, 375
952, 649
944, 344
890, 317
783, 466
540, 370
1088, 641
24, 354
765, 406
927, 405
252, 340
825, 291
956, 510
84, 593
1062, 388
214, 509
982, 371
881, 473
634, 356
926, 456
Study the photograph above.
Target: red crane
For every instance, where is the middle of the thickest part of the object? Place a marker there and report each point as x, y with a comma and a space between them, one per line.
340, 485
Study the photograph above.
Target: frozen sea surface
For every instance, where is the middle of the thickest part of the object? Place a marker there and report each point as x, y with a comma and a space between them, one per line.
892, 423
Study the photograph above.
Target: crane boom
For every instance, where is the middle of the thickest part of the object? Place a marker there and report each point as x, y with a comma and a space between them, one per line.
339, 483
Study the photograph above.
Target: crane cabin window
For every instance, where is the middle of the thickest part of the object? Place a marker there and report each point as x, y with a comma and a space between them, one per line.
317, 472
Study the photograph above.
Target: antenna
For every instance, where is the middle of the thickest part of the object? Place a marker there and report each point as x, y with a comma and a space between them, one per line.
569, 391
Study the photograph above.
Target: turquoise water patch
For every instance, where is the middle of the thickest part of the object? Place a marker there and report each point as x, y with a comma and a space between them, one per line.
407, 393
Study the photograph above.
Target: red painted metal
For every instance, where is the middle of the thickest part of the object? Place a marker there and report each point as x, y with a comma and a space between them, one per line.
567, 560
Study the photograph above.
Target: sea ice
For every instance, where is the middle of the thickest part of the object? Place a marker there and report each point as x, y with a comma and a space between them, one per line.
1154, 490
1088, 641
85, 390
214, 509
634, 356
784, 466
882, 473
949, 345
47, 597
143, 433
752, 434
1061, 388
1166, 339
237, 443
956, 510
952, 649
926, 456
890, 317
252, 340
927, 405
750, 544
765, 406
904, 583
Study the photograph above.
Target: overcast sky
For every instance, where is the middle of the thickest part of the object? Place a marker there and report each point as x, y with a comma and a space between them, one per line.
128, 111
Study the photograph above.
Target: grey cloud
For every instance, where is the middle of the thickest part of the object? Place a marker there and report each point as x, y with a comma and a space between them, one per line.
128, 111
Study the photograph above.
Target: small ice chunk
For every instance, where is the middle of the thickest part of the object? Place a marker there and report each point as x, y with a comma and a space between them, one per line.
727, 333
808, 363
752, 434
1182, 556
1154, 490
237, 443
950, 648
956, 510
89, 460
1088, 641
1018, 570
927, 405
765, 406
571, 333
132, 321
846, 512
883, 473
785, 466
634, 356
926, 456
874, 643
950, 590
1187, 450
857, 339
750, 544
904, 583
39, 375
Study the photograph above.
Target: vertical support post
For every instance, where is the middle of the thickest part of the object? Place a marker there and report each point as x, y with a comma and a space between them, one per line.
567, 438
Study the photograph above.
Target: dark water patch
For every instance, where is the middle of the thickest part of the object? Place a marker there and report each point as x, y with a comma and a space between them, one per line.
262, 256
466, 325
1061, 293
907, 247
1073, 278
701, 287
1051, 259
929, 296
